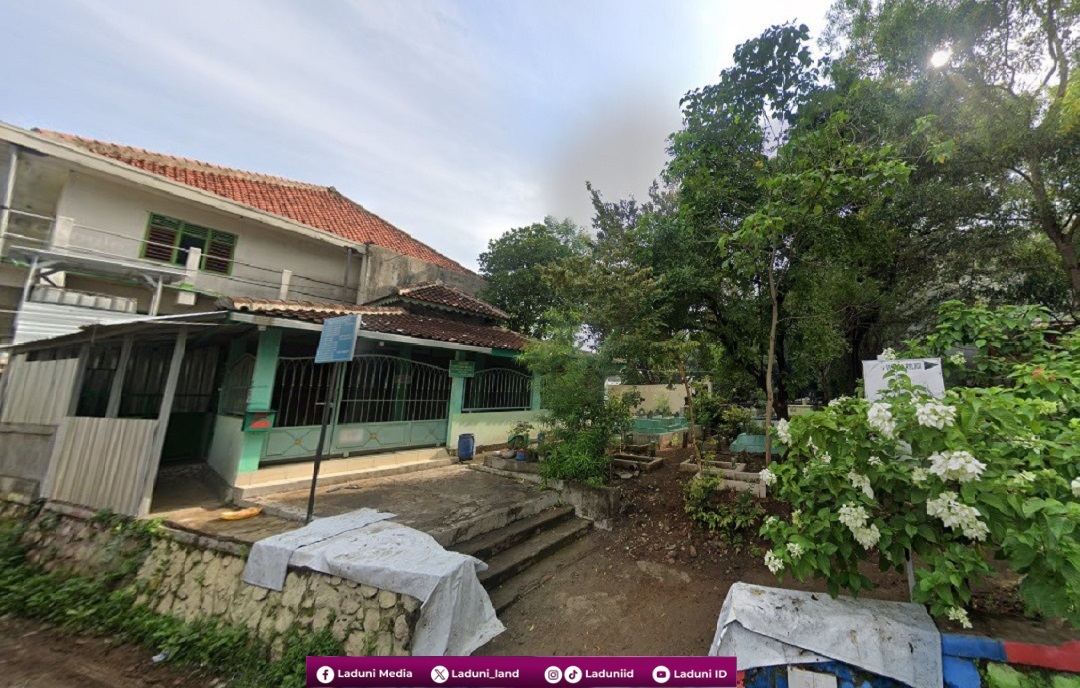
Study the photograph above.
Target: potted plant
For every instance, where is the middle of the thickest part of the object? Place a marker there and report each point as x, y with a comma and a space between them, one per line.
519, 439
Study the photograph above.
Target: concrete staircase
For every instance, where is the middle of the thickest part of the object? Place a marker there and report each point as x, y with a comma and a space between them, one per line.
513, 548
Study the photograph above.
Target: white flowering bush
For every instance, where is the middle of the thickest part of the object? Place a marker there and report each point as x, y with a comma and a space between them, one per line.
946, 480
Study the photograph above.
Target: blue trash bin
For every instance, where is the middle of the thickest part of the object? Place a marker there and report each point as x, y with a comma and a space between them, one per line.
466, 446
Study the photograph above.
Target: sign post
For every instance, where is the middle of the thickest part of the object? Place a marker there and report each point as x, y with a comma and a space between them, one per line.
337, 345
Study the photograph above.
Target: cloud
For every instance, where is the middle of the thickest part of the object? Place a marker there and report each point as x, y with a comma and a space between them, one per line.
454, 120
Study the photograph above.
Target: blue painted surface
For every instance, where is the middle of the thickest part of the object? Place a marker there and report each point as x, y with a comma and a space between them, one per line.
973, 647
847, 677
337, 342
960, 672
466, 445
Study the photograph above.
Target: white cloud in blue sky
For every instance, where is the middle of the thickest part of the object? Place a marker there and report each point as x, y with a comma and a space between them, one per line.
454, 120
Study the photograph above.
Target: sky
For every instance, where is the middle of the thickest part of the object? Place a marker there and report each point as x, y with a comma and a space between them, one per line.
455, 121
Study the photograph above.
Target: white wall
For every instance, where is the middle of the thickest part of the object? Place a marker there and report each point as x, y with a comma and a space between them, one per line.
651, 395
121, 210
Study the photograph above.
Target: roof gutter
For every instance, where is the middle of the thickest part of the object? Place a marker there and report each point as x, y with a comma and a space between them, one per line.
99, 164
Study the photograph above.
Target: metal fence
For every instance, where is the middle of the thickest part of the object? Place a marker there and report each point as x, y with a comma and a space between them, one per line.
498, 389
380, 389
374, 389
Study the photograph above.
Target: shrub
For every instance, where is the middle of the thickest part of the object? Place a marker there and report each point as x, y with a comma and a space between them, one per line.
980, 472
728, 513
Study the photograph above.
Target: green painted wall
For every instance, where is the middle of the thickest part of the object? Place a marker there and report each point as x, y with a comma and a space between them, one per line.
489, 428
262, 391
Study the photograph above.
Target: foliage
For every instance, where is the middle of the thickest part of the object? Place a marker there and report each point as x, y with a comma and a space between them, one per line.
729, 513
98, 606
998, 337
513, 267
662, 407
580, 420
984, 471
1005, 100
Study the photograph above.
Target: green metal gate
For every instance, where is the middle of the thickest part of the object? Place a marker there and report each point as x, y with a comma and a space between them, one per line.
383, 403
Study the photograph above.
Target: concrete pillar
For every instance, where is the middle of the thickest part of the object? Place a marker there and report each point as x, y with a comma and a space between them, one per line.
457, 399
535, 405
286, 280
262, 392
401, 387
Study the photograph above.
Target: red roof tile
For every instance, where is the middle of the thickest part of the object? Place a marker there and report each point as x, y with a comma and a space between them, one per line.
321, 207
439, 294
386, 320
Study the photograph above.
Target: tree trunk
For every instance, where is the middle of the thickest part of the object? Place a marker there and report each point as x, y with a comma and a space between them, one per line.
690, 411
1063, 238
769, 363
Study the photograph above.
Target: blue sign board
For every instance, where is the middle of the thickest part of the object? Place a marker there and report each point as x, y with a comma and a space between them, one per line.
337, 344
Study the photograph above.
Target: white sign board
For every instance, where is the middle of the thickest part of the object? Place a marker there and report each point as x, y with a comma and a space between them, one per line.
924, 372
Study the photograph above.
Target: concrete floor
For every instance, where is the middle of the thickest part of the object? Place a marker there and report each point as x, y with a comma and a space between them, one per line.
450, 503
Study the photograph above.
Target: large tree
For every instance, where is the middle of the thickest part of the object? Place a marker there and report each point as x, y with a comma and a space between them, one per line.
999, 77
513, 266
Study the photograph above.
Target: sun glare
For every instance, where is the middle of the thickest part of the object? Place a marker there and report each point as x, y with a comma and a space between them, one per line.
940, 58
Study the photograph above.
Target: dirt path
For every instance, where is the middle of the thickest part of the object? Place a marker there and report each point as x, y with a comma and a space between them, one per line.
655, 583
35, 656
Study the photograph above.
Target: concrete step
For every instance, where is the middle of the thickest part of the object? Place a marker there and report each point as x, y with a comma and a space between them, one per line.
503, 566
489, 544
244, 492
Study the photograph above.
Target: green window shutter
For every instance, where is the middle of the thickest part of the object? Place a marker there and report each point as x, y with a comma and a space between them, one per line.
161, 238
219, 253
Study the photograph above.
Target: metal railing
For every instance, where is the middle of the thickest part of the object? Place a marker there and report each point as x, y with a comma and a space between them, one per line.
498, 389
31, 230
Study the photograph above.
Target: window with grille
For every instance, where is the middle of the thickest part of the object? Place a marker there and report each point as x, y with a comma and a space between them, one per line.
169, 240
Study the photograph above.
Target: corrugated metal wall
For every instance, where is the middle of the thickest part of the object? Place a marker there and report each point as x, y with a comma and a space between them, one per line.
43, 320
101, 463
38, 392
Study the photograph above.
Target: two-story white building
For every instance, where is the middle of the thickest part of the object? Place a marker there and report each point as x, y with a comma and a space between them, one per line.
161, 310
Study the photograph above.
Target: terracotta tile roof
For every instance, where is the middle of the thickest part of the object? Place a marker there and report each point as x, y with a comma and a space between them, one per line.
388, 320
321, 207
438, 294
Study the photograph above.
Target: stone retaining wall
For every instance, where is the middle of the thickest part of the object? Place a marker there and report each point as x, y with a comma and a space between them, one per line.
192, 577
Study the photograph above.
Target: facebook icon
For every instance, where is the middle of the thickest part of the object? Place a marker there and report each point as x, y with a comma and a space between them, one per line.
325, 674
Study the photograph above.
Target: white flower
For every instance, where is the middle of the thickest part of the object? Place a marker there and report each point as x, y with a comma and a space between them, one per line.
879, 418
794, 549
811, 446
861, 482
959, 615
775, 563
825, 457
767, 477
935, 415
838, 400
783, 431
855, 517
874, 461
867, 536
919, 475
958, 359
888, 354
771, 521
956, 515
1076, 487
796, 518
956, 465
